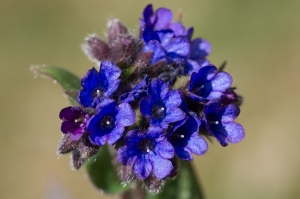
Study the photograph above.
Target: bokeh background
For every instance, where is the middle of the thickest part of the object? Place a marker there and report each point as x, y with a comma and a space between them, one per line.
260, 40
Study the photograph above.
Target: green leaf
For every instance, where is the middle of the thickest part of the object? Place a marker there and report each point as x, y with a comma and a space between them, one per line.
66, 79
127, 72
185, 186
102, 172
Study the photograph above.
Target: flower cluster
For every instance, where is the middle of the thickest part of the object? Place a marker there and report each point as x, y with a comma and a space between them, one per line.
129, 102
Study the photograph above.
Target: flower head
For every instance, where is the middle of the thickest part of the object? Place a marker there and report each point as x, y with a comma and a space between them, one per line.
185, 139
74, 122
161, 105
147, 152
207, 84
219, 122
98, 85
109, 123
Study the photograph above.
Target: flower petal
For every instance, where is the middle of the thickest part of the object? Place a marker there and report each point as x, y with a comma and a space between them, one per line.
235, 132
158, 52
173, 99
174, 115
221, 81
183, 153
161, 167
115, 134
197, 144
145, 106
178, 29
126, 115
125, 156
163, 18
165, 149
200, 48
231, 112
142, 168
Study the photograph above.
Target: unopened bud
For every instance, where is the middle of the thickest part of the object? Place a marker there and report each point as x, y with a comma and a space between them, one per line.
115, 29
96, 49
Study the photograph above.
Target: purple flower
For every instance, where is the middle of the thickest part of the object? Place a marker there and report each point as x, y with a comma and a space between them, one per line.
161, 105
74, 122
185, 139
207, 84
219, 122
98, 85
147, 152
109, 123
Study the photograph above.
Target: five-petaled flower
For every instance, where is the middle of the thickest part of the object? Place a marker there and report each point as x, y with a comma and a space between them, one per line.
147, 152
99, 85
74, 122
109, 123
161, 105
208, 84
219, 121
185, 138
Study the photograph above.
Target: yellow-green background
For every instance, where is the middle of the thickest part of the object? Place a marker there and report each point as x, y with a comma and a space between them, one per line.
259, 38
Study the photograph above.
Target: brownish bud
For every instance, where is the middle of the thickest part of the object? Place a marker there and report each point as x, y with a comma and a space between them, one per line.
66, 145
96, 49
115, 29
83, 151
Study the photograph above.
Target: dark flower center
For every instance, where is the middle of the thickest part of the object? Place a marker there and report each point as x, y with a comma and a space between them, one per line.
98, 92
107, 122
177, 137
78, 120
146, 145
158, 111
213, 120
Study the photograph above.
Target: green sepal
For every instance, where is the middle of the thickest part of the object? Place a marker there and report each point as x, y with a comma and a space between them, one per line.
102, 173
66, 79
184, 186
127, 72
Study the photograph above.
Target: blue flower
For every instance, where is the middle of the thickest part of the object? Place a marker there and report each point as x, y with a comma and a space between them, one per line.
166, 47
109, 123
161, 105
74, 122
219, 122
207, 84
158, 25
159, 20
185, 139
98, 85
139, 90
199, 50
147, 152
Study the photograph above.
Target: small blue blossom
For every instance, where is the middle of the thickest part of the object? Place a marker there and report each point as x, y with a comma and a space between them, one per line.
147, 152
185, 138
166, 47
161, 105
199, 50
109, 123
219, 122
74, 122
151, 21
98, 85
207, 84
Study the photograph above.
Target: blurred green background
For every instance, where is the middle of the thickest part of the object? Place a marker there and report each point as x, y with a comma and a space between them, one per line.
260, 39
